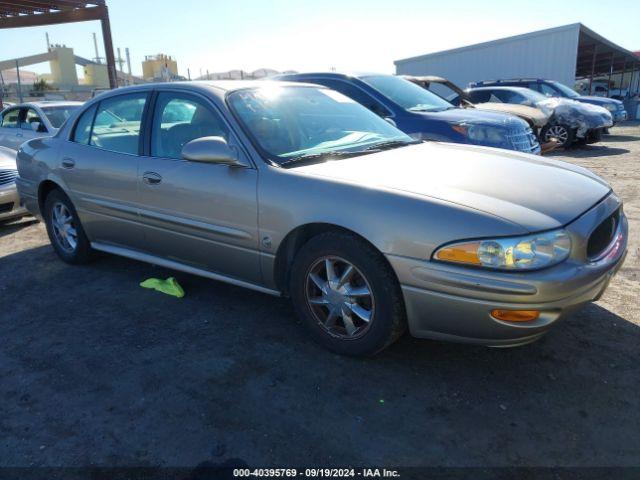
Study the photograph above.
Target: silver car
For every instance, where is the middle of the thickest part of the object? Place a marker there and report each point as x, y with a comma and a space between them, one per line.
10, 206
294, 189
31, 120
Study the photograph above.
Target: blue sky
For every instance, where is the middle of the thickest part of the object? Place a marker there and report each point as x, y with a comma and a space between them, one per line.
318, 35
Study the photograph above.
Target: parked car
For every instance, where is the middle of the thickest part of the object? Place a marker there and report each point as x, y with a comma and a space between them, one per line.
551, 88
424, 115
295, 189
569, 121
536, 118
34, 119
10, 206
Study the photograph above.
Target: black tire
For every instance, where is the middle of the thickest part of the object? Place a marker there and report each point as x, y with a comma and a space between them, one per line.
82, 252
546, 135
388, 317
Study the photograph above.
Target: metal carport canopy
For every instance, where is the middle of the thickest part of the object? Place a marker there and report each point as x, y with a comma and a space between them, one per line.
599, 56
35, 13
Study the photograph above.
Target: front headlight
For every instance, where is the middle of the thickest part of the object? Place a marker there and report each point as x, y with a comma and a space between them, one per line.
481, 133
610, 107
513, 253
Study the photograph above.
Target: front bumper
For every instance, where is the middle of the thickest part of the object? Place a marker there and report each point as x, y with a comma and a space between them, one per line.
449, 302
619, 116
10, 205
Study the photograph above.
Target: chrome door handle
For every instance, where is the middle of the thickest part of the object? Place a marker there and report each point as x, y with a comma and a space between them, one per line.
68, 162
151, 178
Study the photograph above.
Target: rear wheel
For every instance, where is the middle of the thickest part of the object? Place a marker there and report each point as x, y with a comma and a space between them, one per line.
65, 230
347, 295
561, 133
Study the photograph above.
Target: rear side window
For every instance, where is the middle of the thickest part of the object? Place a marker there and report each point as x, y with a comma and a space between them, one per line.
117, 123
10, 118
82, 132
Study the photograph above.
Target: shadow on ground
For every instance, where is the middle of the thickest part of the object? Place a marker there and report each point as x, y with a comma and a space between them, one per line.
95, 370
589, 151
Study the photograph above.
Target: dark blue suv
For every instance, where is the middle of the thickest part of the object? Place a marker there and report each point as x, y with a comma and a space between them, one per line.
551, 88
423, 114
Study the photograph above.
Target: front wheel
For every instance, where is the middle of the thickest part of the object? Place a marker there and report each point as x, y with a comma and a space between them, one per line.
561, 133
347, 294
65, 230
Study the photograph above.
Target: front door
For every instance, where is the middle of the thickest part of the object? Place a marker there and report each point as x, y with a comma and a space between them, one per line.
29, 117
99, 167
200, 214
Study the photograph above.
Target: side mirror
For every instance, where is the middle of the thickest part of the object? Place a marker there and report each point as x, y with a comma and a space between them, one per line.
211, 150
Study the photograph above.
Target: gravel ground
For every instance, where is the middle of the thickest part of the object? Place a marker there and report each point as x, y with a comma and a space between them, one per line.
97, 371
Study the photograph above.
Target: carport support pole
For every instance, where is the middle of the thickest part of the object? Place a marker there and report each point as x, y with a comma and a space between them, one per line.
19, 83
108, 49
593, 68
624, 71
610, 72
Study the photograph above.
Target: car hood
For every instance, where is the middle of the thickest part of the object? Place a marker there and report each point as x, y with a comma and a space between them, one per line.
469, 116
537, 116
530, 191
7, 159
597, 100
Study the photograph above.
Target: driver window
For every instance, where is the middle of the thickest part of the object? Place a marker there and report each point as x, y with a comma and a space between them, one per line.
180, 118
32, 117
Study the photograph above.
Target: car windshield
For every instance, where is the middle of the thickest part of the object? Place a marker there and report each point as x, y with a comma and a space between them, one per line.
294, 122
58, 115
407, 94
566, 91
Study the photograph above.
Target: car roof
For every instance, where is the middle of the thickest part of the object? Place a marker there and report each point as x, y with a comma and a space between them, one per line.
523, 90
341, 74
48, 103
217, 87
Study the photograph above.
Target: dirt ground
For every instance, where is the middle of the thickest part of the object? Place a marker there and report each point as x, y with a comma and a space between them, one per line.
95, 370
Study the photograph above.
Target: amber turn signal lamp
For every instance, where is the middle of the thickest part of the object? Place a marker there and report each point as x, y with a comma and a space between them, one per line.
515, 315
462, 253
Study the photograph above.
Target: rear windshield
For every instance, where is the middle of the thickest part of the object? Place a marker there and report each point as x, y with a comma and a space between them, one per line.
407, 94
58, 115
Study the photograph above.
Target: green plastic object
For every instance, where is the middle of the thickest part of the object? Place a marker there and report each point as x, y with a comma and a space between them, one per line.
170, 286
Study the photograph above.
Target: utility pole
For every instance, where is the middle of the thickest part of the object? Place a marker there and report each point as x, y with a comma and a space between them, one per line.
95, 45
126, 52
189, 74
46, 34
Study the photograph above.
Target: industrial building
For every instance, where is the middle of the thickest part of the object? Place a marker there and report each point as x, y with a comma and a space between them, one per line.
567, 54
159, 67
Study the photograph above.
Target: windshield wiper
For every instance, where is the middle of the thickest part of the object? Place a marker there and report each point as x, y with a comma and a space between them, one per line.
392, 144
313, 157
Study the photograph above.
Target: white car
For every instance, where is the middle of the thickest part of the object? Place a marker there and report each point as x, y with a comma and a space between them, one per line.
31, 120
10, 205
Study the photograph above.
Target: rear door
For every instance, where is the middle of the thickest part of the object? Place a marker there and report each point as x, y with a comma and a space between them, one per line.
11, 135
99, 166
200, 214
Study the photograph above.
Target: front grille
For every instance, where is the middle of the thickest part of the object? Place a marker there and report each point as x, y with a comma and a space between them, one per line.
603, 235
523, 141
8, 176
6, 207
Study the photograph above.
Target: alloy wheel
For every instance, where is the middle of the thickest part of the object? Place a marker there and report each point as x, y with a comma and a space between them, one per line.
64, 229
340, 297
558, 132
